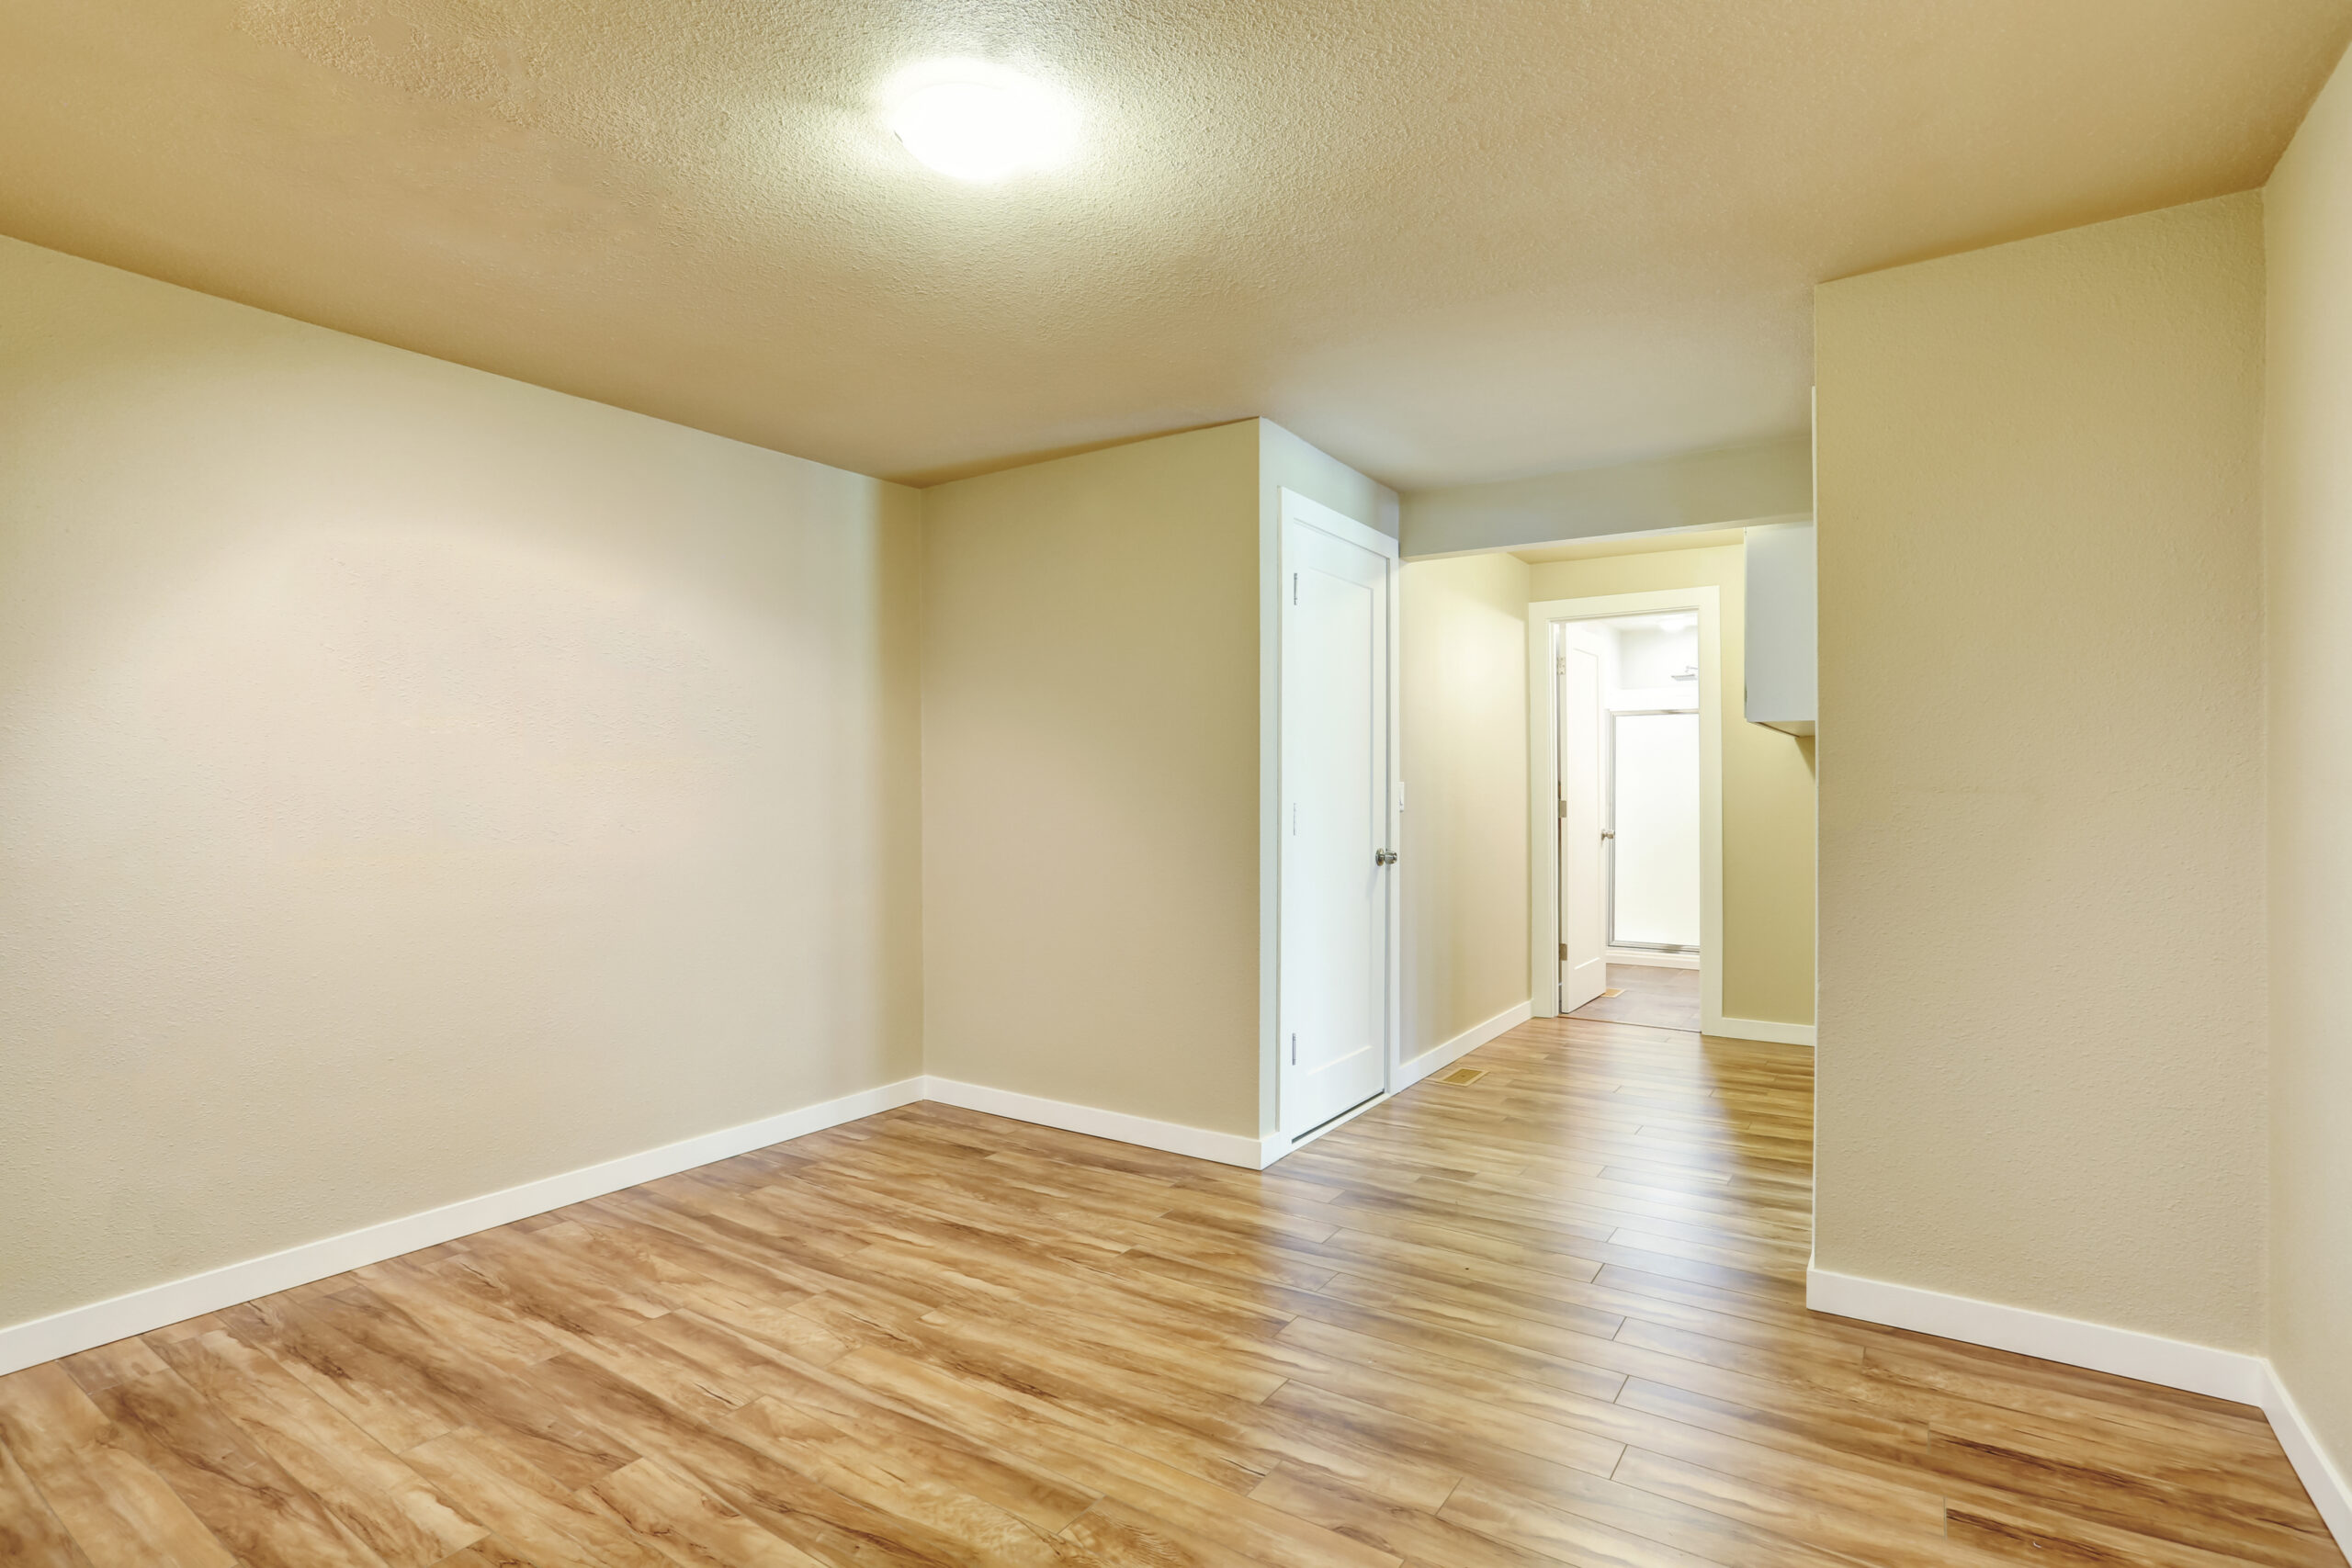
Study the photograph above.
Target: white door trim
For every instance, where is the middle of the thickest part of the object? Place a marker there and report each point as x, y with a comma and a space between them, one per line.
1297, 508
1543, 786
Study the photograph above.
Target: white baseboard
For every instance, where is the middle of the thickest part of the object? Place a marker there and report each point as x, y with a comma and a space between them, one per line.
1225, 1148
2149, 1358
2175, 1363
1439, 1057
1650, 960
2322, 1477
101, 1323
140, 1312
1763, 1028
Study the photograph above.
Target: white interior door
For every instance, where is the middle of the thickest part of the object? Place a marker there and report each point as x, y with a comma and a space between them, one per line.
1654, 901
1584, 879
1335, 772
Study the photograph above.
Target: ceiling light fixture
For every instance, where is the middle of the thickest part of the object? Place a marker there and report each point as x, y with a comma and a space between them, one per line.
981, 123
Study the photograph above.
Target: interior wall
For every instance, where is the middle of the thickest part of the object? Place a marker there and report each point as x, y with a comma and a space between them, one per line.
1464, 678
2307, 549
1091, 779
1649, 662
2041, 1045
1723, 485
1768, 956
412, 783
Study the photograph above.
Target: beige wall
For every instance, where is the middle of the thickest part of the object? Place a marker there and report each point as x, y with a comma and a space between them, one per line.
2308, 512
2041, 1043
1725, 485
411, 783
1091, 779
1463, 679
1768, 790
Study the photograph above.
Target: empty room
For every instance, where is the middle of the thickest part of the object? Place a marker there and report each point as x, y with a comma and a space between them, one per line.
1266, 784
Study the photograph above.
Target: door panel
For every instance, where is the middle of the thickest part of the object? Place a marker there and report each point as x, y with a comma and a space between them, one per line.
1335, 786
1583, 889
1656, 869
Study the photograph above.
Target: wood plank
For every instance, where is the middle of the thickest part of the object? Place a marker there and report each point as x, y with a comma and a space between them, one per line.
30, 1533
377, 1497
685, 1520
117, 1509
246, 1499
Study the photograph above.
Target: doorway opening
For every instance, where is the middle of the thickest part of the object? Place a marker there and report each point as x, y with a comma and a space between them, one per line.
1628, 808
1649, 771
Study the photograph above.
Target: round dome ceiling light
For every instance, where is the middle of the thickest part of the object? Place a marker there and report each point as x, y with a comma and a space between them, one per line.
980, 122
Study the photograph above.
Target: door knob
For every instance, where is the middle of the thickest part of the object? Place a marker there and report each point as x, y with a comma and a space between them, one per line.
1384, 857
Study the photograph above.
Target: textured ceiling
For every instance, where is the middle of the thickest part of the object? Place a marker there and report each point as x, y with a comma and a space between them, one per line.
1445, 240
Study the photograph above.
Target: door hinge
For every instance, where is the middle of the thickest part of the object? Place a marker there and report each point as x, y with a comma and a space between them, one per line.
1564, 806
1294, 1050
1293, 587
1564, 953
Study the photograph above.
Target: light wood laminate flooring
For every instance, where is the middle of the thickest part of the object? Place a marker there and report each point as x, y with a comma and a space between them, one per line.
1554, 1316
1652, 994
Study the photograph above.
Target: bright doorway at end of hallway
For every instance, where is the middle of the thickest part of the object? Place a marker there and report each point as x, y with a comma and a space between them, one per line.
1625, 792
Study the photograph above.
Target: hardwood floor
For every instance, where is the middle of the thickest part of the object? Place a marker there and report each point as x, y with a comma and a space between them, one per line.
1650, 994
1553, 1316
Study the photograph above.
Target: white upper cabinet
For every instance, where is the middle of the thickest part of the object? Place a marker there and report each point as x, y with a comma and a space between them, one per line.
1780, 678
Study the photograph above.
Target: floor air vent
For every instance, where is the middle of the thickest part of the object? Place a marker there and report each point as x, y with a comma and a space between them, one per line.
1464, 1075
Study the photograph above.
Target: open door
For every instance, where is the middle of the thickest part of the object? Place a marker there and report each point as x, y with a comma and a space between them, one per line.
1583, 870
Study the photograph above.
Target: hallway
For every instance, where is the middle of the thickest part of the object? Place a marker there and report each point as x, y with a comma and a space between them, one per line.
1553, 1315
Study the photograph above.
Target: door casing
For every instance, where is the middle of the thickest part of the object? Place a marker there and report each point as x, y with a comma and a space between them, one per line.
1543, 784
